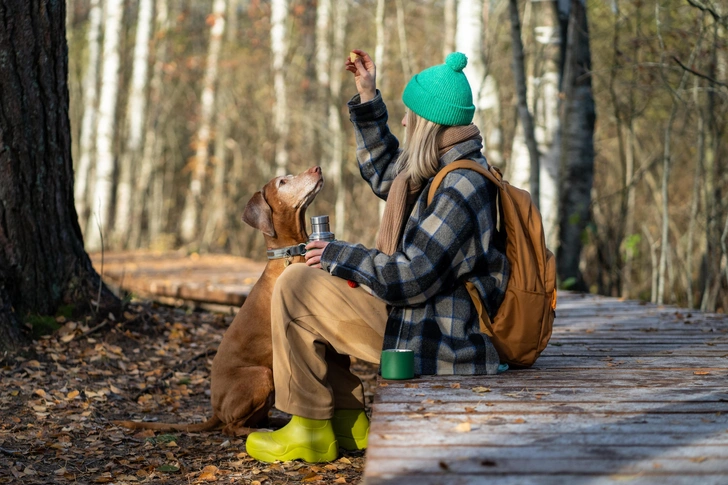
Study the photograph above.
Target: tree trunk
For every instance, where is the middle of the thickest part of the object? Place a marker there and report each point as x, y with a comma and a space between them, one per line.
667, 160
524, 114
190, 222
578, 117
404, 53
150, 165
135, 118
450, 18
90, 112
713, 184
42, 260
99, 221
695, 197
469, 40
335, 124
216, 208
279, 50
379, 61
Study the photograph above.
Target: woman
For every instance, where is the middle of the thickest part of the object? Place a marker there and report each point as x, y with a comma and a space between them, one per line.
408, 293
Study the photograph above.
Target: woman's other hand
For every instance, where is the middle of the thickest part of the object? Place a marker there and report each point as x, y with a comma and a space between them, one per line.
365, 74
314, 249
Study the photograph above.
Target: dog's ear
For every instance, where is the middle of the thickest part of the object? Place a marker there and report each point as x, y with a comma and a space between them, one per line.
259, 215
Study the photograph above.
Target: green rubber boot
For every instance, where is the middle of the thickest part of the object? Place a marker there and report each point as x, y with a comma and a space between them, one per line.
310, 440
351, 427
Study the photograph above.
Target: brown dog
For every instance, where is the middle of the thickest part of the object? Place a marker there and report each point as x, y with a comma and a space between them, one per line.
242, 375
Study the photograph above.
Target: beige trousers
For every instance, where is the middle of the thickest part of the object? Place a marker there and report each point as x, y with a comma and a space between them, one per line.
317, 322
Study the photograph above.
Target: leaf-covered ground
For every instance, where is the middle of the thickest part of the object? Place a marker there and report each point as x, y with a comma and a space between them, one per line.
58, 401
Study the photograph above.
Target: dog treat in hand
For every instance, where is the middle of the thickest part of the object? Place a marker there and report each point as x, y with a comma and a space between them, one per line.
353, 56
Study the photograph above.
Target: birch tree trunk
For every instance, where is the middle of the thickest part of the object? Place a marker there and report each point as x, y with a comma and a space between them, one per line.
135, 118
404, 53
450, 18
542, 79
42, 260
216, 209
90, 112
469, 39
190, 223
524, 114
279, 49
335, 123
323, 77
99, 221
578, 117
150, 165
379, 61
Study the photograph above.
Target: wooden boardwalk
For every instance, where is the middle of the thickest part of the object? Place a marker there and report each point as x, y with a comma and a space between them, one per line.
625, 393
213, 281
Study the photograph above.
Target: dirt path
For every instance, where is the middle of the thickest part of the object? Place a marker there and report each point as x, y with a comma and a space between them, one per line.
151, 362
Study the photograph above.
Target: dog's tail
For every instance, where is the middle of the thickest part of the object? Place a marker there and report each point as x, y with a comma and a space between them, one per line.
213, 423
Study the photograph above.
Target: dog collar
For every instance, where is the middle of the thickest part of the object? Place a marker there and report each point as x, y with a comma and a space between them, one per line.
287, 252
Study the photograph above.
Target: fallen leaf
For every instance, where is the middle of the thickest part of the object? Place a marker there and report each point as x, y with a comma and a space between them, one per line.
469, 409
463, 427
455, 385
481, 389
701, 373
72, 395
168, 468
519, 421
147, 433
699, 459
208, 473
412, 386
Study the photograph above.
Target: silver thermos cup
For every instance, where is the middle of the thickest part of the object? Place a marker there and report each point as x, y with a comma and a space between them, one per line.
320, 230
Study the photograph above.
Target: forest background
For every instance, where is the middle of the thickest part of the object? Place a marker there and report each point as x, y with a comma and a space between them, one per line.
181, 109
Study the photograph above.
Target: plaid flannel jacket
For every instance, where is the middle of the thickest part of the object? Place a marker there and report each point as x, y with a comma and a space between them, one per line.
452, 240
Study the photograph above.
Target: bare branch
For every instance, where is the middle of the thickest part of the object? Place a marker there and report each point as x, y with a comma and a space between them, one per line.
706, 8
699, 74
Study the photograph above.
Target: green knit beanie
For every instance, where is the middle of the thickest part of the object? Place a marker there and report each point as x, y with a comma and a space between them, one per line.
442, 93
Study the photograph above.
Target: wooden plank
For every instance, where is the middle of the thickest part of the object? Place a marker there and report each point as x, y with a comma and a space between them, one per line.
626, 392
417, 478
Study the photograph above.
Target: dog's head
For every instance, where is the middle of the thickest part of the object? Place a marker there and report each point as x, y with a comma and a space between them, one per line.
278, 210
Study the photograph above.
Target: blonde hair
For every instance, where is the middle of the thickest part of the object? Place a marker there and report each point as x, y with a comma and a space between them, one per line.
420, 157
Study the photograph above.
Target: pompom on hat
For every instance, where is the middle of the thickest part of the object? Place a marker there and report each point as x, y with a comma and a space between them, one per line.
441, 93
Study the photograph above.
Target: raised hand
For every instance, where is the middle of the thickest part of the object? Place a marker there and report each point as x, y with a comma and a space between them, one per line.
365, 74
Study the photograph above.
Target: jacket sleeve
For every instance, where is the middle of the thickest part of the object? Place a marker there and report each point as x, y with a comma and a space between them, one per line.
377, 149
437, 252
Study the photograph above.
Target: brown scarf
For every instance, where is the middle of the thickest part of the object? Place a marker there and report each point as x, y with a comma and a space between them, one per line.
403, 192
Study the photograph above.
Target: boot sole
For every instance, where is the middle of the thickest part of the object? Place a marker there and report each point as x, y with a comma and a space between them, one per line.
306, 454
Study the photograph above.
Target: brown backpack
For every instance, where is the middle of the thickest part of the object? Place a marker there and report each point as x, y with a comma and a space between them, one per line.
522, 326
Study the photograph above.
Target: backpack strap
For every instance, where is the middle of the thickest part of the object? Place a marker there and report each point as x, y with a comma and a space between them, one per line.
495, 176
492, 174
